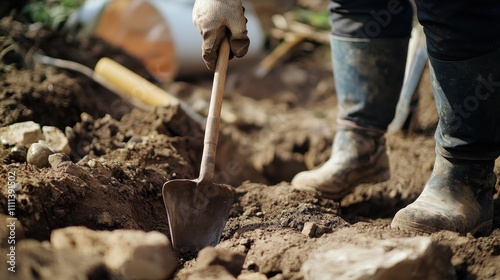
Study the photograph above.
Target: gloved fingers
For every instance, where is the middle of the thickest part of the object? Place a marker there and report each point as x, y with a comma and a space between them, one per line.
216, 20
239, 46
238, 39
212, 39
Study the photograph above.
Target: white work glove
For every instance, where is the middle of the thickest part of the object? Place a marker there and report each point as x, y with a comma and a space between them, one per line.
217, 19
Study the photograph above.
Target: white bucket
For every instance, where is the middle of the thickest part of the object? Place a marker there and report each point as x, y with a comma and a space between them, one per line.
187, 38
185, 54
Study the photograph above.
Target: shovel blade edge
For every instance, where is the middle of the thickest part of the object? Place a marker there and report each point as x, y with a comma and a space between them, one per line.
197, 212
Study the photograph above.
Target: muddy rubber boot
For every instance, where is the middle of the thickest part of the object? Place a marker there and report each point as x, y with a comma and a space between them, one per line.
368, 78
357, 157
457, 197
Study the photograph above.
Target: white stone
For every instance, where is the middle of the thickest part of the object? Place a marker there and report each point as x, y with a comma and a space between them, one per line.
404, 258
23, 133
55, 139
309, 229
133, 254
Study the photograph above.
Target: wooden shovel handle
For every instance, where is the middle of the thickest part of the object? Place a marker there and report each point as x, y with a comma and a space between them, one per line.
213, 120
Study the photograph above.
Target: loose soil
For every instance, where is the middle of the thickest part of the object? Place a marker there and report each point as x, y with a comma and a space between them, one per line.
272, 128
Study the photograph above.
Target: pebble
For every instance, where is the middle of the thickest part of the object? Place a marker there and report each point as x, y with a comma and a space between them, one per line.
320, 231
85, 117
55, 139
232, 261
18, 154
285, 222
104, 219
17, 187
38, 155
57, 158
69, 133
309, 229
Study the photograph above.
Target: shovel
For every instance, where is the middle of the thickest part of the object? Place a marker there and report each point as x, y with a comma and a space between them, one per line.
417, 58
198, 209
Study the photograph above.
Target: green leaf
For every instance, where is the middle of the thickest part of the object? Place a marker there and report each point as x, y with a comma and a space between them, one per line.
52, 13
316, 19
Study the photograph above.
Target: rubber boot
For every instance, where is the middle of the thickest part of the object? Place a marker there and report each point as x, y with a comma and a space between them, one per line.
458, 195
368, 78
357, 157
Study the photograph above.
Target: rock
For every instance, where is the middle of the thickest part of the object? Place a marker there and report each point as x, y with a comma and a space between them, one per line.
232, 261
104, 219
38, 155
320, 231
130, 253
11, 229
309, 229
23, 133
98, 168
18, 154
55, 139
214, 263
35, 260
252, 276
57, 158
404, 258
215, 272
69, 133
86, 118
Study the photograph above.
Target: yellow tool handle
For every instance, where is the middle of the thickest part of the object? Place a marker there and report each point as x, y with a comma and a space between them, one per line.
279, 52
131, 84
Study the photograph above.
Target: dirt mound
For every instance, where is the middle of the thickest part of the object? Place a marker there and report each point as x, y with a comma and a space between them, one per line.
122, 168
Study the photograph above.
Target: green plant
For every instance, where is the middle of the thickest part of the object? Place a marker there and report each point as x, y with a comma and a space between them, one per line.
317, 19
52, 13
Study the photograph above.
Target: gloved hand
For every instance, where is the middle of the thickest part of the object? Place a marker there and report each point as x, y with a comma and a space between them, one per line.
217, 19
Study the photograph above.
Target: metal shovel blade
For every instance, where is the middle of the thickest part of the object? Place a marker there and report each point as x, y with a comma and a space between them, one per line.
197, 212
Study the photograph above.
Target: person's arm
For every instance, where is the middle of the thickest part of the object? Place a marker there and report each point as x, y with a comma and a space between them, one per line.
217, 19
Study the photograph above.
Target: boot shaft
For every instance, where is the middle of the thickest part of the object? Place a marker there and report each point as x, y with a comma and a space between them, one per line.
368, 78
467, 95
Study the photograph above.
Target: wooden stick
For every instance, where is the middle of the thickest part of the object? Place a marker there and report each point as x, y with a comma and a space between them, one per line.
213, 120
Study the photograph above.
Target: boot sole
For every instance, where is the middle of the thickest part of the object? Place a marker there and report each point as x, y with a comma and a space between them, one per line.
377, 178
483, 229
